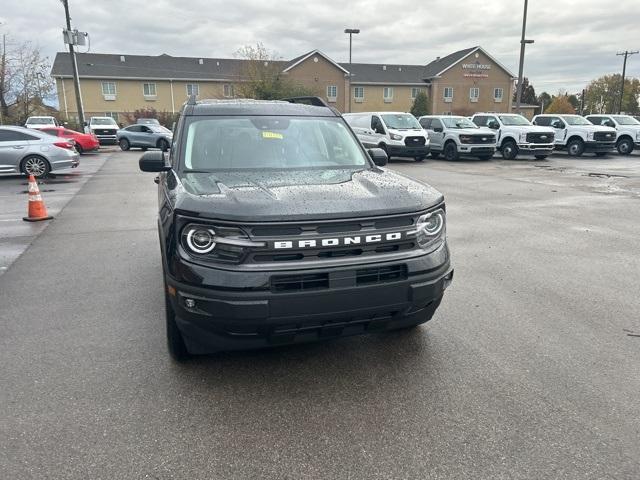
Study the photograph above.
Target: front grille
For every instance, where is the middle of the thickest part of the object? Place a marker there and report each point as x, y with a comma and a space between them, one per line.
104, 131
604, 136
414, 141
338, 279
540, 137
480, 139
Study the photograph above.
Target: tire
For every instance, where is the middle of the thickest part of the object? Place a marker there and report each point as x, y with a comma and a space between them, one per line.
124, 144
79, 149
175, 342
625, 146
384, 147
509, 150
541, 157
575, 148
35, 165
451, 151
420, 159
163, 145
485, 157
435, 154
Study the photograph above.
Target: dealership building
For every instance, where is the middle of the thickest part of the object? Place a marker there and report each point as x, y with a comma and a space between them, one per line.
463, 82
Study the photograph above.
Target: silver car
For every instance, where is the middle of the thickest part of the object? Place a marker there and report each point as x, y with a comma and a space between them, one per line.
145, 136
31, 152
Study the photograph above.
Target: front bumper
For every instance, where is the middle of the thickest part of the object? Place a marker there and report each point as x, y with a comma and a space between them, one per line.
536, 148
599, 147
469, 149
107, 139
224, 319
404, 151
72, 161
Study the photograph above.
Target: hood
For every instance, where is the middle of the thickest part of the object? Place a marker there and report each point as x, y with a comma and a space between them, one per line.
474, 131
529, 128
409, 132
594, 128
301, 195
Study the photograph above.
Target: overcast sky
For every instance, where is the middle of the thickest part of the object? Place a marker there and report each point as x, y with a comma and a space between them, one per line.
575, 40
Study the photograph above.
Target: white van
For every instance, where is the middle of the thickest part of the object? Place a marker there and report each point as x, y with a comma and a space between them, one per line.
397, 133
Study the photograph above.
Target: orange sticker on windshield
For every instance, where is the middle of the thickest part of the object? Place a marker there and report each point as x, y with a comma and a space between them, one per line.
265, 134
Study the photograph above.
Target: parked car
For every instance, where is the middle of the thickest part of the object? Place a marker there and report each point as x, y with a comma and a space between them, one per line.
516, 135
277, 226
398, 134
84, 142
104, 128
627, 129
453, 136
145, 136
147, 121
577, 135
41, 122
32, 152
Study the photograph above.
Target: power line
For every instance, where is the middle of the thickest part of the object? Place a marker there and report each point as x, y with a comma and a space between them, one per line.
626, 54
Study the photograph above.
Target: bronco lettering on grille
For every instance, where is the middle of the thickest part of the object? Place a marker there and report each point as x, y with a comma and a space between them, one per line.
338, 241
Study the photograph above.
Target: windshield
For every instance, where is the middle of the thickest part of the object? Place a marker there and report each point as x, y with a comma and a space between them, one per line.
159, 129
513, 120
40, 120
103, 121
458, 122
401, 121
576, 120
277, 143
625, 120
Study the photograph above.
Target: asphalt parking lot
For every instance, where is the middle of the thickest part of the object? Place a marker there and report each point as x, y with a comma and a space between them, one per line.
529, 369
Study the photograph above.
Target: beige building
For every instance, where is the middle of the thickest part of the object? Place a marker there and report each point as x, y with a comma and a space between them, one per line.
463, 82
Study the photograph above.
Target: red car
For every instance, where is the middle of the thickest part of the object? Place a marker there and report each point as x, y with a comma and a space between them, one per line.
84, 142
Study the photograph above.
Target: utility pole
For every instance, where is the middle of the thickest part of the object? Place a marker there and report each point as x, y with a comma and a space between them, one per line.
626, 53
523, 42
3, 76
74, 66
582, 102
350, 31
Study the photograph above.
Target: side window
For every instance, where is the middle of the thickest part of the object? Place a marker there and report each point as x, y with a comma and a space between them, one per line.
436, 124
426, 123
556, 122
480, 120
13, 136
608, 122
492, 122
144, 129
376, 125
134, 128
542, 121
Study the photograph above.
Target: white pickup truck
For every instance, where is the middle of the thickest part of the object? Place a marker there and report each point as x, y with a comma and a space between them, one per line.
627, 128
105, 128
516, 135
577, 135
453, 136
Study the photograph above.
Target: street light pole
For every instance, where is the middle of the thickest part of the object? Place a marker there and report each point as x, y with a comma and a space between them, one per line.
626, 53
351, 32
74, 67
523, 42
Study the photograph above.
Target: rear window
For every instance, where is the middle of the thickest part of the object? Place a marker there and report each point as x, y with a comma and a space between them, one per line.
276, 143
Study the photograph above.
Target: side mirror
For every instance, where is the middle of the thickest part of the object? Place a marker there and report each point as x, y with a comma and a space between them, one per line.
438, 129
557, 124
493, 125
379, 156
153, 162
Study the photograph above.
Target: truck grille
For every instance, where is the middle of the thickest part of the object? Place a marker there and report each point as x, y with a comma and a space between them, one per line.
540, 137
480, 139
604, 136
104, 131
414, 141
337, 279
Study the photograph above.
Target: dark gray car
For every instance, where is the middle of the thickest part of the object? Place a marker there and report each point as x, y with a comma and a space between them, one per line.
144, 136
29, 151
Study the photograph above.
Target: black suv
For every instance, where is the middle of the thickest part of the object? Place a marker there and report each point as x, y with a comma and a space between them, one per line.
277, 226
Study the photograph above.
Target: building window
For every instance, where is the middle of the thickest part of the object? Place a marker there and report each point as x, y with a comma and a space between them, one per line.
387, 94
149, 89
474, 93
113, 115
332, 93
358, 94
497, 94
448, 94
414, 92
227, 90
109, 90
193, 89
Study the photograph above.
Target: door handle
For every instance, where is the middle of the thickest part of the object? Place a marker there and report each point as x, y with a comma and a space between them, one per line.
18, 147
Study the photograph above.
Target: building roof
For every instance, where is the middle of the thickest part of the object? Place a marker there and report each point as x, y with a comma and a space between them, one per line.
385, 73
441, 65
292, 63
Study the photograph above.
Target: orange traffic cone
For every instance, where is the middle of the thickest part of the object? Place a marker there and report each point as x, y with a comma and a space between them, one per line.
36, 211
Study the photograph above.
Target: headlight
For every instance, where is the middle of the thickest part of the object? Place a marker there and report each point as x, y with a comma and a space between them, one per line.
430, 228
200, 239
395, 136
523, 138
590, 135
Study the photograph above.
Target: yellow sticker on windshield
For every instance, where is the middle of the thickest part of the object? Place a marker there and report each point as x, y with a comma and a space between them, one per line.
277, 135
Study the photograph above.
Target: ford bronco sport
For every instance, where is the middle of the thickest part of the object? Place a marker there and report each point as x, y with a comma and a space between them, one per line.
277, 226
